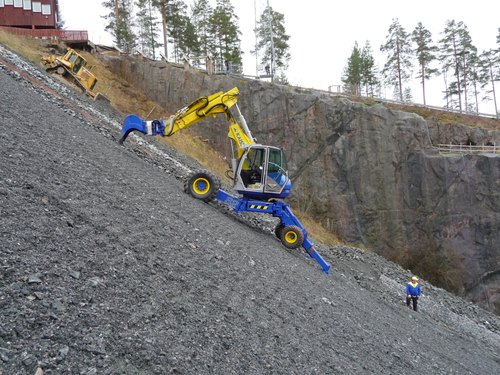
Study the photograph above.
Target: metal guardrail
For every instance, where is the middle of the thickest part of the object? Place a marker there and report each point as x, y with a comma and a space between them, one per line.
469, 149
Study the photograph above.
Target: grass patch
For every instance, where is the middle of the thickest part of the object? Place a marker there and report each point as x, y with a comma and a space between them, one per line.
30, 48
317, 232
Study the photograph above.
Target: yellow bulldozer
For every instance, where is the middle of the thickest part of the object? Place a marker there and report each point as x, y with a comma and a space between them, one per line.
72, 66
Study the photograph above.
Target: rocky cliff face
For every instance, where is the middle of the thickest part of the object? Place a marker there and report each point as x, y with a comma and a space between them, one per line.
368, 173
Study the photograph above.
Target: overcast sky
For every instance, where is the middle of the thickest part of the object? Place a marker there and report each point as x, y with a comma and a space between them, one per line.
323, 32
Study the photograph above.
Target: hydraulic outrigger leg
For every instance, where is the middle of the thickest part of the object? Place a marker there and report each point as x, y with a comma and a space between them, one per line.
290, 229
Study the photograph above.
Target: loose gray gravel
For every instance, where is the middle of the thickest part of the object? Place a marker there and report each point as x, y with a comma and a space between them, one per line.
108, 267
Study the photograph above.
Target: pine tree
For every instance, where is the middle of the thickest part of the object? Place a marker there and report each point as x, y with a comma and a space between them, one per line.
496, 74
351, 77
397, 69
120, 23
475, 78
425, 52
200, 16
223, 26
282, 79
445, 74
490, 72
191, 45
407, 95
148, 31
455, 50
469, 61
369, 74
175, 20
181, 31
273, 40
162, 6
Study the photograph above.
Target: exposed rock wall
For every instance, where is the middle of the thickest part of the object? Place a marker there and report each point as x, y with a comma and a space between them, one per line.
366, 172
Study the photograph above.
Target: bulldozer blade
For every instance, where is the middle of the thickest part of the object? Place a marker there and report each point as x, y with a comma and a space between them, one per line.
102, 98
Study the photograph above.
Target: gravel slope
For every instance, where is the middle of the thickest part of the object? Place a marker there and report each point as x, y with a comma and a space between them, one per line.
108, 267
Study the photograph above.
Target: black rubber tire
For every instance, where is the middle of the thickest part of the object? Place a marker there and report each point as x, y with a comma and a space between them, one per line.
278, 229
292, 237
202, 185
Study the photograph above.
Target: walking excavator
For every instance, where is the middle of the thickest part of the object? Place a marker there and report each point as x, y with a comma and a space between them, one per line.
259, 172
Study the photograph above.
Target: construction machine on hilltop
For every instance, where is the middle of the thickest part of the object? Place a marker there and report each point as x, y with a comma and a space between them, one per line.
259, 172
72, 66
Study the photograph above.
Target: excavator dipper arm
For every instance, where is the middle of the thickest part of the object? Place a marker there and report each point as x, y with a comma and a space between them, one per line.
213, 105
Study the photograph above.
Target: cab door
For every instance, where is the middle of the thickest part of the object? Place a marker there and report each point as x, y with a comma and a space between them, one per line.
276, 175
262, 173
251, 169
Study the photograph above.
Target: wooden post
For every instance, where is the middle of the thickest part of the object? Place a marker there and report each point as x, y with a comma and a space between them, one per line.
152, 109
209, 65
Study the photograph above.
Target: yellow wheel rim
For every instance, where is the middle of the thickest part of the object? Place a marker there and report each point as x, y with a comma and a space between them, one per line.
201, 186
291, 237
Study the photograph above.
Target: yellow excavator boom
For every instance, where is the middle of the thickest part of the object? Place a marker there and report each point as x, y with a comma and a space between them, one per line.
212, 105
218, 103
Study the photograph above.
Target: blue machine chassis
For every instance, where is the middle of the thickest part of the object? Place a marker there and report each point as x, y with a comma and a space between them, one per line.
277, 209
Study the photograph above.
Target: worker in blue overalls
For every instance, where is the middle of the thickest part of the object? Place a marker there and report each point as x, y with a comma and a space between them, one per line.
413, 291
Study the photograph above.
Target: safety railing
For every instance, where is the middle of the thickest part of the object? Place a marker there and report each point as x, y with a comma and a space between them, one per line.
64, 35
469, 149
